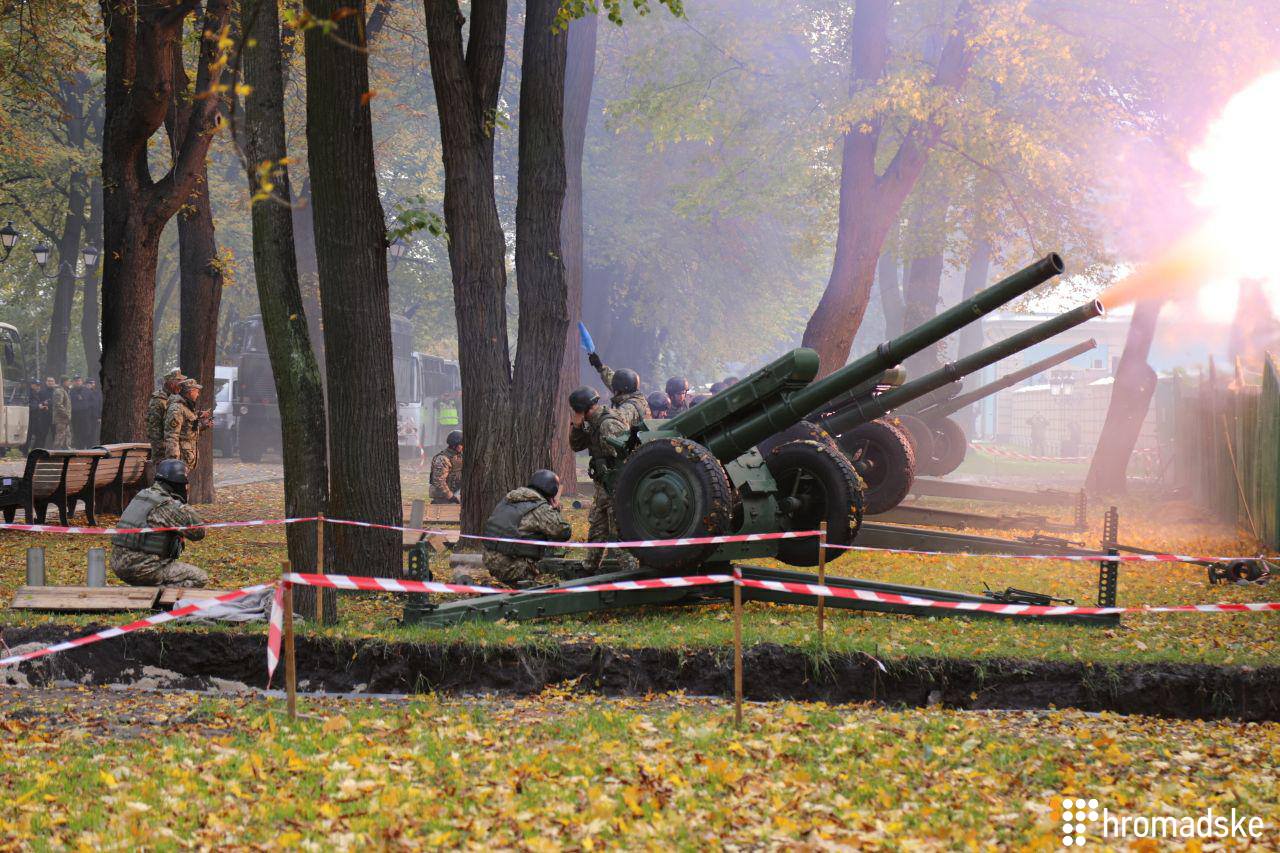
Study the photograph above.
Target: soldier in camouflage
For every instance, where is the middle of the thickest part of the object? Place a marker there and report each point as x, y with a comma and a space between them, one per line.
678, 393
592, 424
529, 512
60, 405
157, 406
627, 403
151, 559
446, 471
183, 424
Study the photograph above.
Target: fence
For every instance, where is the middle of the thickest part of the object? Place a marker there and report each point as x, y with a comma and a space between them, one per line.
1227, 447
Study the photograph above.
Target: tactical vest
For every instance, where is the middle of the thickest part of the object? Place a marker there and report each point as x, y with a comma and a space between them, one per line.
168, 545
504, 521
448, 415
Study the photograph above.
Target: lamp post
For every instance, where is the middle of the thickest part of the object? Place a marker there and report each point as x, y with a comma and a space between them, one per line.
88, 257
397, 249
8, 239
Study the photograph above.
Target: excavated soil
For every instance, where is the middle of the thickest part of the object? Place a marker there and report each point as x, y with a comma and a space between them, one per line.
228, 661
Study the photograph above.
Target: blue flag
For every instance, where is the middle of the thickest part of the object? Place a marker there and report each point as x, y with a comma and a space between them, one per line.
584, 336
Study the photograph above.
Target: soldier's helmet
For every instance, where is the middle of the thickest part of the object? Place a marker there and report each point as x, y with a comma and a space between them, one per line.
717, 387
659, 402
545, 483
677, 385
454, 439
582, 399
172, 471
625, 381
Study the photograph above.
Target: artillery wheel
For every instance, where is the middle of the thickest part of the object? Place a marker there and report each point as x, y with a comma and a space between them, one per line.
818, 484
672, 488
801, 431
882, 455
921, 436
950, 445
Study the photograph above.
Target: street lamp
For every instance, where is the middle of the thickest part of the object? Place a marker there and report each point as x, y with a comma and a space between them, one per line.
88, 255
397, 249
8, 239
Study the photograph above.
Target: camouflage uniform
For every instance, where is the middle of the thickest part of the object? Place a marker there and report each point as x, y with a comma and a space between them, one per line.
633, 407
182, 428
511, 563
677, 408
156, 408
446, 475
139, 568
60, 405
602, 524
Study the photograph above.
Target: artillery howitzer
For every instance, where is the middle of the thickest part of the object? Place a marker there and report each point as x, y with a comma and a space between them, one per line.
887, 455
748, 460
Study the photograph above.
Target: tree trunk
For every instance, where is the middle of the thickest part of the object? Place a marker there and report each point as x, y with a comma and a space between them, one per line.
284, 320
976, 272
580, 67
466, 87
1135, 383
141, 40
200, 293
66, 257
350, 236
890, 294
870, 201
89, 316
540, 273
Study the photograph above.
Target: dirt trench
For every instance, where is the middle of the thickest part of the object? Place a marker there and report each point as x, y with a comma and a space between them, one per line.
227, 660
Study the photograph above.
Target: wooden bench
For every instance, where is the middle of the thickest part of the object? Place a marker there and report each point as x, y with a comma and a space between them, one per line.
122, 473
431, 515
59, 477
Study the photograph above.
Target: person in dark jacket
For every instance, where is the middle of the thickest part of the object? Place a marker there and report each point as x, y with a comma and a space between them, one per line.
93, 406
79, 413
38, 418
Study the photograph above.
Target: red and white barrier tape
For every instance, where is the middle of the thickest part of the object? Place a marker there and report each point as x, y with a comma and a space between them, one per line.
110, 531
989, 450
275, 630
150, 621
1007, 609
1082, 558
637, 543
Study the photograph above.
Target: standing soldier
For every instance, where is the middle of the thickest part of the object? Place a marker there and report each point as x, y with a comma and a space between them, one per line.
80, 413
659, 405
446, 471
60, 405
151, 559
678, 392
627, 403
157, 407
592, 424
183, 424
38, 419
530, 512
93, 399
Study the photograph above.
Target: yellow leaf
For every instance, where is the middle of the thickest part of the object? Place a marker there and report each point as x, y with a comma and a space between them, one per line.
335, 724
107, 779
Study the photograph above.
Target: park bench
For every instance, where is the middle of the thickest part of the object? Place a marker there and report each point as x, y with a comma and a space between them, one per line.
59, 477
122, 473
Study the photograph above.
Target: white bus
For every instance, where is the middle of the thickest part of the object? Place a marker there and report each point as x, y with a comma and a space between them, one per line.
13, 393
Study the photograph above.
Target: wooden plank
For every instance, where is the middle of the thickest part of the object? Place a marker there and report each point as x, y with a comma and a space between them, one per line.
169, 595
968, 491
85, 598
442, 514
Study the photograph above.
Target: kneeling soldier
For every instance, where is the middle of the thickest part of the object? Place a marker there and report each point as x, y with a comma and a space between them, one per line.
529, 512
151, 559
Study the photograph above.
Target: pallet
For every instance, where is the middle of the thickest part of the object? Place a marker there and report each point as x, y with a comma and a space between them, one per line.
81, 599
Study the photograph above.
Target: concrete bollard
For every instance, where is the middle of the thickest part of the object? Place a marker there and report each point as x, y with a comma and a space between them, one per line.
35, 566
97, 567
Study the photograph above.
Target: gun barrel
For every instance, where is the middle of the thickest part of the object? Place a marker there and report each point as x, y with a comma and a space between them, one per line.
955, 404
874, 406
732, 439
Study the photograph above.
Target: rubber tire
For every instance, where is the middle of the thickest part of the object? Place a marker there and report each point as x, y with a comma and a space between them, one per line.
882, 456
921, 436
950, 445
705, 479
250, 447
841, 498
801, 431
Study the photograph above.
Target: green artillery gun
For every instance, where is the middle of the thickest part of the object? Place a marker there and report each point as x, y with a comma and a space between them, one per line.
748, 461
943, 440
888, 454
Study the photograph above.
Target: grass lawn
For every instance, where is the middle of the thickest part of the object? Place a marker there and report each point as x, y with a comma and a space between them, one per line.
92, 769
239, 556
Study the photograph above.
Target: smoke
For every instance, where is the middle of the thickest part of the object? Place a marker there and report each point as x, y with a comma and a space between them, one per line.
1236, 194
